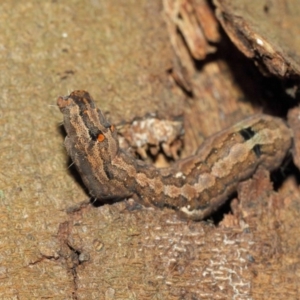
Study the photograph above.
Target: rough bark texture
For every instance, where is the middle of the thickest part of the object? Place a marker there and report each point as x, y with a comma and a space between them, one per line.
264, 31
132, 58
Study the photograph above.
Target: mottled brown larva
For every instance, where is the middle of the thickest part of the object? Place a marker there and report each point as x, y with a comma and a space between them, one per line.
195, 186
